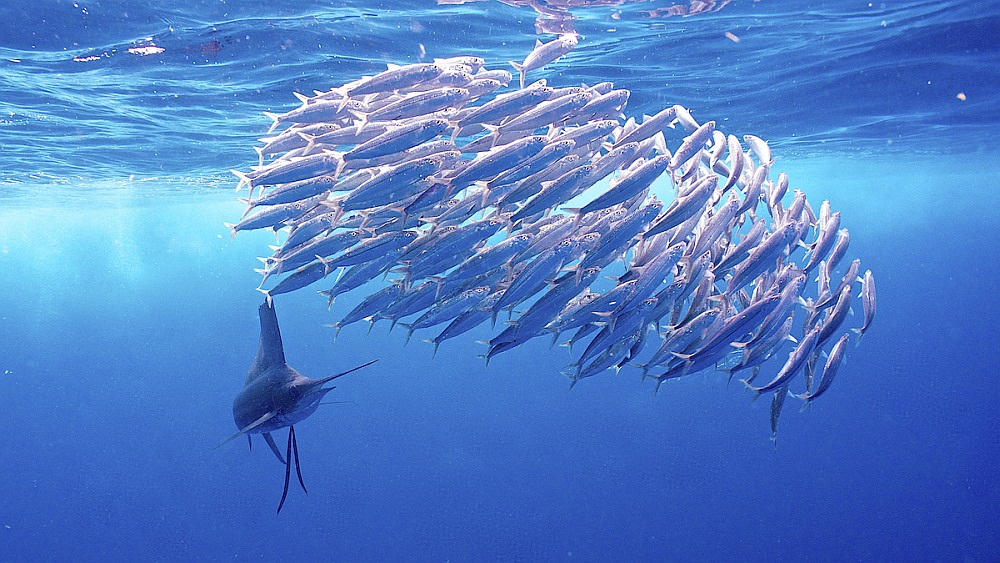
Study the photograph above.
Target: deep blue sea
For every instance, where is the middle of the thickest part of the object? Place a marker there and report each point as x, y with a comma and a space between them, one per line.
128, 318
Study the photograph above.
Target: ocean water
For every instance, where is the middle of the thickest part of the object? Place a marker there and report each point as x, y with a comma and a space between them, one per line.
129, 317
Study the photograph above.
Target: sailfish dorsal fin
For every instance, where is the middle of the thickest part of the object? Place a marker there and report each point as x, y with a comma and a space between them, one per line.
270, 352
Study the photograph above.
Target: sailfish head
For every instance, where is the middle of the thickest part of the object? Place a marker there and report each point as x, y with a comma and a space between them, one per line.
304, 395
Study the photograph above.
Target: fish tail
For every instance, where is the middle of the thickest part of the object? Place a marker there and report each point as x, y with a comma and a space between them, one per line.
806, 403
520, 69
409, 331
435, 342
644, 369
341, 162
243, 180
659, 381
345, 98
249, 203
329, 294
310, 142
362, 122
275, 117
494, 133
326, 264
267, 295
265, 273
485, 355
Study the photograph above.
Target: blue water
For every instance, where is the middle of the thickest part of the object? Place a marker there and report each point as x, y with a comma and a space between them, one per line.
128, 318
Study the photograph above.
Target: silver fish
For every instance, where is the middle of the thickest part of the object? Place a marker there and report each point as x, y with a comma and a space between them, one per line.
796, 359
833, 362
691, 145
650, 126
545, 53
546, 113
867, 301
395, 78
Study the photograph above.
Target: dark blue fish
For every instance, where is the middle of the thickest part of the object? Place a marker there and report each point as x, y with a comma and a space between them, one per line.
276, 396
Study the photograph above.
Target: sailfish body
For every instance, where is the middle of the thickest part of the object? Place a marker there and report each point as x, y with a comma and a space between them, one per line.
281, 394
276, 396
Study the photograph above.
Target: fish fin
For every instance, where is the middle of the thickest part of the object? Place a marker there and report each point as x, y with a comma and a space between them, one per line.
326, 264
806, 402
659, 381
857, 342
362, 122
520, 69
272, 445
243, 180
275, 117
231, 227
267, 416
337, 327
409, 331
331, 297
310, 141
435, 342
267, 294
250, 206
301, 97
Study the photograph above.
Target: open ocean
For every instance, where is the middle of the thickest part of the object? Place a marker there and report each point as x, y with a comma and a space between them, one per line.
128, 318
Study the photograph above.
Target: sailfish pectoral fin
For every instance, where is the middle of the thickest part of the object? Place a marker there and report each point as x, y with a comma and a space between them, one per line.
248, 428
273, 446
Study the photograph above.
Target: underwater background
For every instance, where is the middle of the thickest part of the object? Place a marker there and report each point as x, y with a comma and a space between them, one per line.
128, 317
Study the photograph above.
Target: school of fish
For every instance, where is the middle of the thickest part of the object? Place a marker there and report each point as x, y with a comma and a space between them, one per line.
471, 198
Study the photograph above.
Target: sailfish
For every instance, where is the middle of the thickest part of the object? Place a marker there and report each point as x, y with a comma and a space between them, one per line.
275, 395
